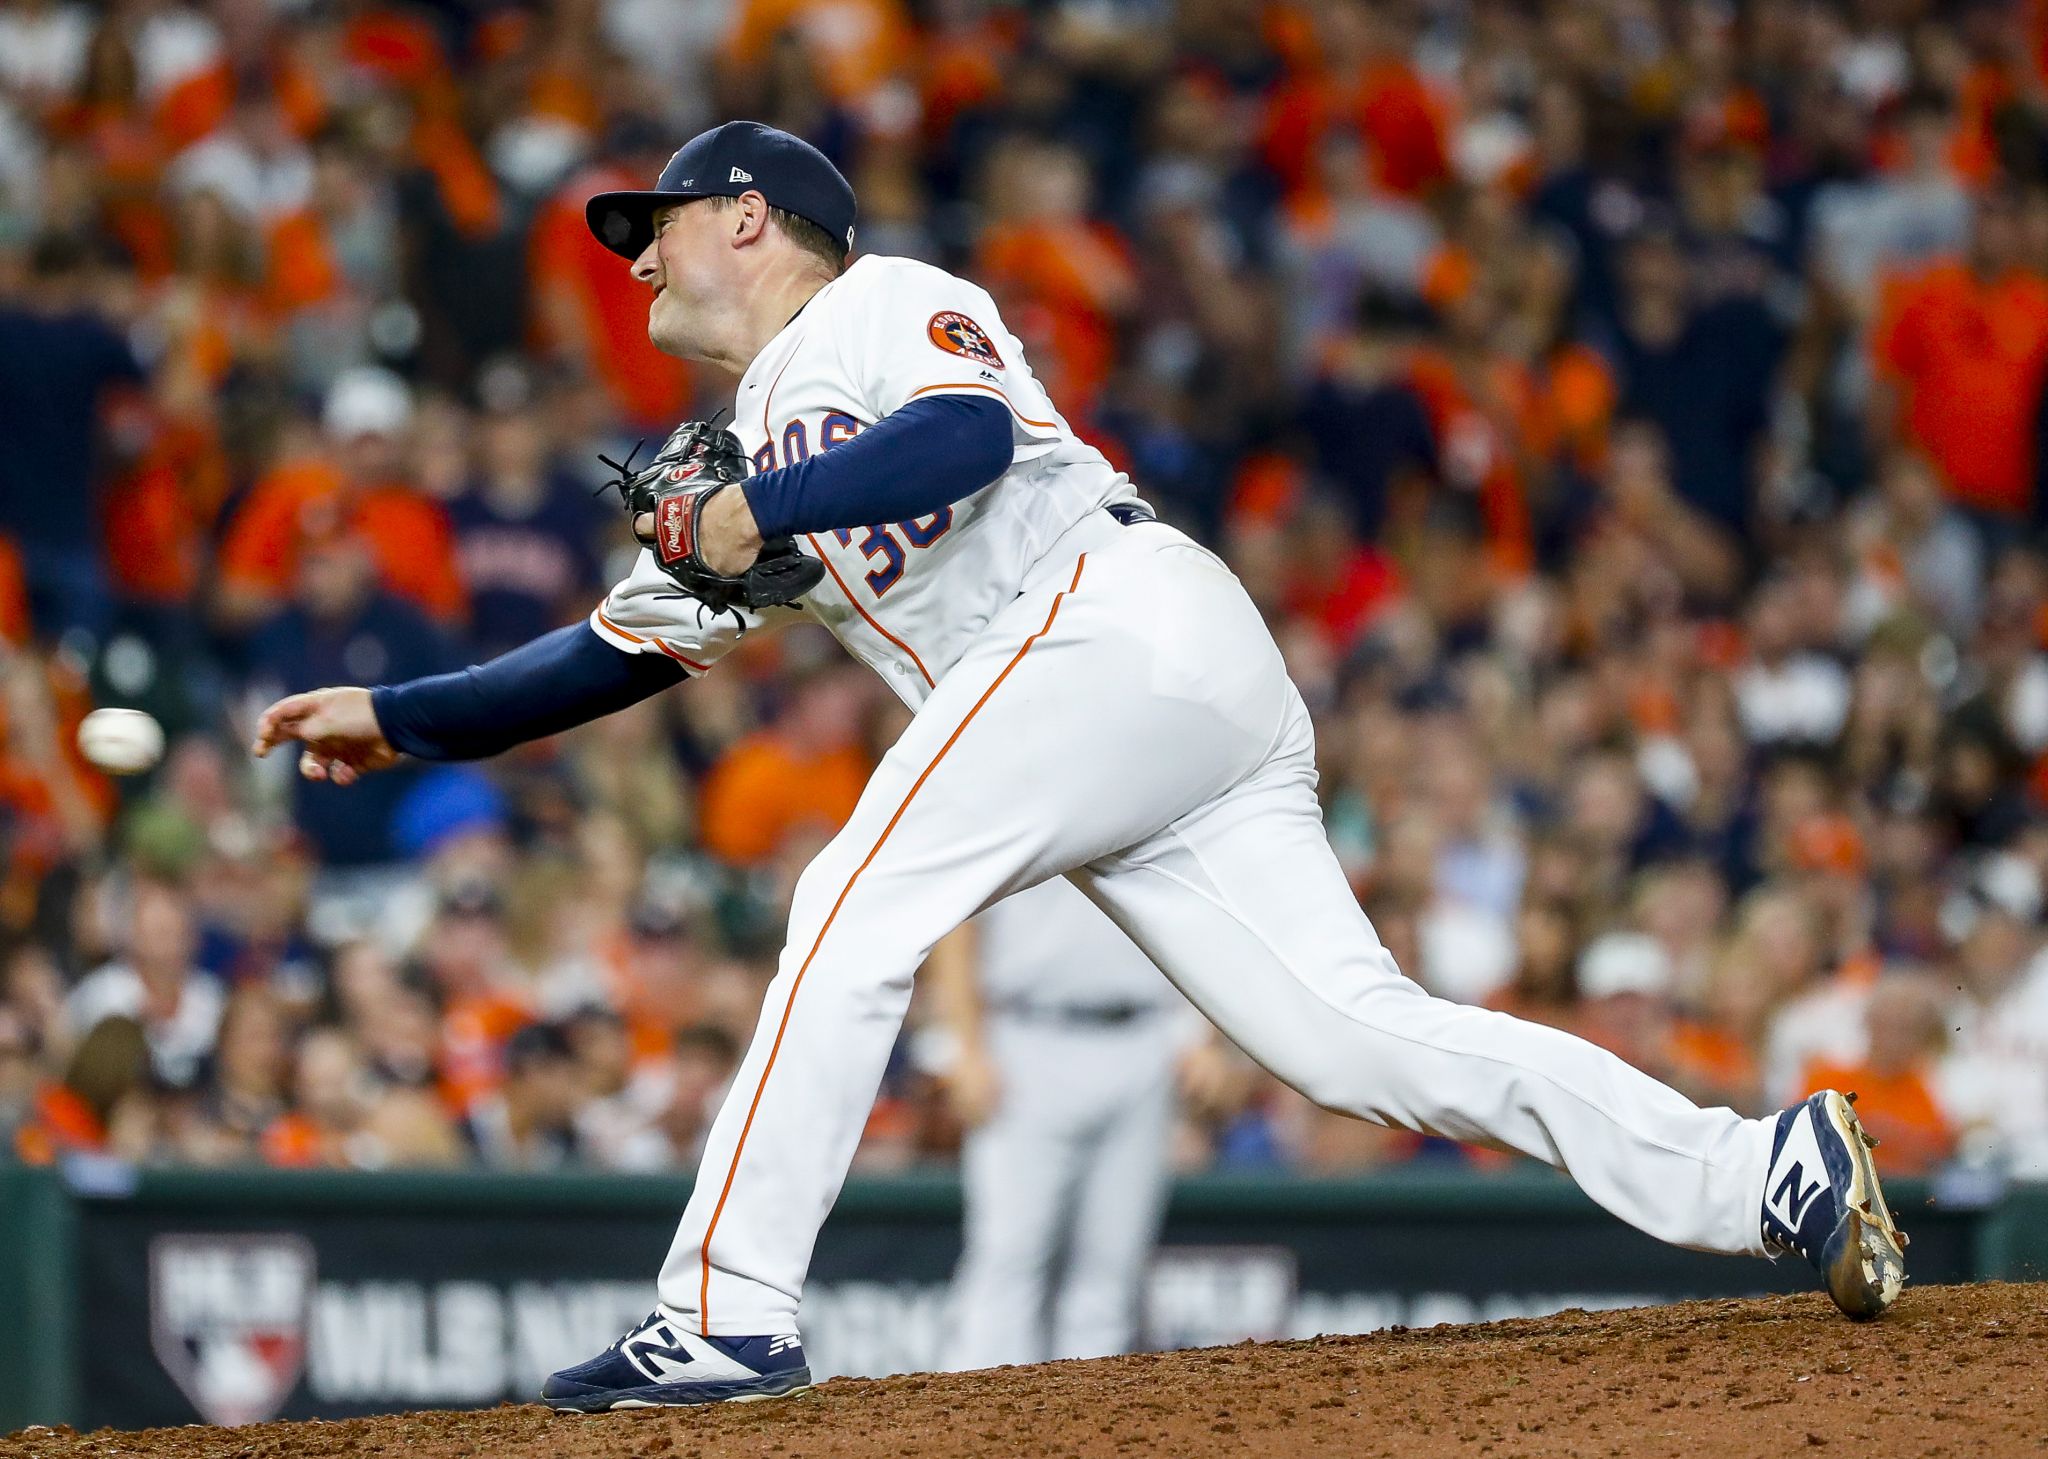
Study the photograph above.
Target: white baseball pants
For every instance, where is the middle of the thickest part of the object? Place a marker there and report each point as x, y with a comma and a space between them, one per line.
1127, 720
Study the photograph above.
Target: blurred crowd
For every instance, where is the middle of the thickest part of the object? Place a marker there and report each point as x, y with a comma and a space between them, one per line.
1628, 415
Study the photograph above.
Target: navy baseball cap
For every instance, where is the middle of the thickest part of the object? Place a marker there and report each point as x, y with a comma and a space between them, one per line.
723, 163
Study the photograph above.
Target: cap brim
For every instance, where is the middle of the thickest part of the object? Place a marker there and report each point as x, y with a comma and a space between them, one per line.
624, 222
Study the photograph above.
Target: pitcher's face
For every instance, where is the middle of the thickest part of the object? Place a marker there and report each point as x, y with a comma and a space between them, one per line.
687, 267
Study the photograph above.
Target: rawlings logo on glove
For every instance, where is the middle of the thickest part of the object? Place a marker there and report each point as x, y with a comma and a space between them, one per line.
696, 463
672, 527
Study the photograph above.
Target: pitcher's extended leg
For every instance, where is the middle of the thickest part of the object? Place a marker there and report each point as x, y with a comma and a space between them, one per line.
1244, 905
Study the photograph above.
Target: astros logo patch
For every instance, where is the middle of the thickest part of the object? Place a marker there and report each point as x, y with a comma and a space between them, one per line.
956, 334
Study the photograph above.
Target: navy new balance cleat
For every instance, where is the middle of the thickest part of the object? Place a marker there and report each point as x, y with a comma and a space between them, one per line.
661, 1363
1822, 1201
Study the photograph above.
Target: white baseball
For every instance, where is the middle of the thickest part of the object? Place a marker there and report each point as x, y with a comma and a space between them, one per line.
121, 741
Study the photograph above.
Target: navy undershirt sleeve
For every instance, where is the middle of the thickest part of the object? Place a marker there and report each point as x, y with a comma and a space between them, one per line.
558, 681
910, 463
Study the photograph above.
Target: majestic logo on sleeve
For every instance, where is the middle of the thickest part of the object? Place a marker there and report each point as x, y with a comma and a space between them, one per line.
956, 334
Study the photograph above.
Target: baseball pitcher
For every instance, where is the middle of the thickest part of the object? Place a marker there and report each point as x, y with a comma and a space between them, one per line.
1096, 697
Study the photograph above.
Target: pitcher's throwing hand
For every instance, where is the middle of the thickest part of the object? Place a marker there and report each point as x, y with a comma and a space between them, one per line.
338, 729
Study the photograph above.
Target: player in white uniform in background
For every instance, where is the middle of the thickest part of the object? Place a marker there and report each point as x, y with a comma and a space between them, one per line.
1067, 1041
1096, 697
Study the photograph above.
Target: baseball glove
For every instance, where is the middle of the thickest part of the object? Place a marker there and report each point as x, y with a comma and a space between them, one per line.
696, 463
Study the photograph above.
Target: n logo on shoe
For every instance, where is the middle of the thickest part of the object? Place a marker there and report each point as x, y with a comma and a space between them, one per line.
656, 1352
665, 1353
1791, 1196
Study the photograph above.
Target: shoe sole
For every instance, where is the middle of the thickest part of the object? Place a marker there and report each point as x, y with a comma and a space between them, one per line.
702, 1403
1866, 1265
591, 1403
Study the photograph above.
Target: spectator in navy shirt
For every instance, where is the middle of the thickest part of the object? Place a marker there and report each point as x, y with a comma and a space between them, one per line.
59, 363
343, 628
525, 534
1702, 373
1369, 427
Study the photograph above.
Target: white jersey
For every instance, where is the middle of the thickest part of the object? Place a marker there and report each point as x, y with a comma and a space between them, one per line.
906, 598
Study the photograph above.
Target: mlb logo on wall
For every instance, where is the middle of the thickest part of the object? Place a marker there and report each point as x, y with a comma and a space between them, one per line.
227, 1318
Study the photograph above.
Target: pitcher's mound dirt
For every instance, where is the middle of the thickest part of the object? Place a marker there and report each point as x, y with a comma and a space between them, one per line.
1959, 1371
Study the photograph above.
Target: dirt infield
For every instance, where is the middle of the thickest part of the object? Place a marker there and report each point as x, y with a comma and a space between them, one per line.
1951, 1371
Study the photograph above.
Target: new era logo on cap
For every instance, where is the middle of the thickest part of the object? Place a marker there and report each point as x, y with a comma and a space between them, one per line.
740, 174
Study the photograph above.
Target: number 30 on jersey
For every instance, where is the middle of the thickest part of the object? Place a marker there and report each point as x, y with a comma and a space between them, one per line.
883, 545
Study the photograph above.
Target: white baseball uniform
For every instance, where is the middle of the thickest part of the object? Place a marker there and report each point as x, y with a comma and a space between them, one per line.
1103, 701
1064, 1185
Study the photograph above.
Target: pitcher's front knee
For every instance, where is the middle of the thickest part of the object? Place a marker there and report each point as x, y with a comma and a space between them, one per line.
1331, 1085
1368, 1080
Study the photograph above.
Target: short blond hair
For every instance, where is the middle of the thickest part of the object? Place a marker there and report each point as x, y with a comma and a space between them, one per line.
805, 234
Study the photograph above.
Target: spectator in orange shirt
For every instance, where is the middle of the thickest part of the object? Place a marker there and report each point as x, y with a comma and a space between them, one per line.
327, 1084
1064, 280
805, 772
1894, 1082
52, 804
1364, 80
659, 989
465, 960
332, 261
106, 114
367, 415
1963, 348
103, 1088
1716, 1045
342, 1118
1485, 415
856, 45
1338, 583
